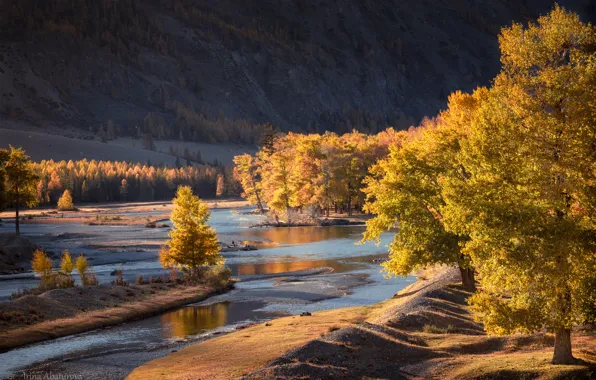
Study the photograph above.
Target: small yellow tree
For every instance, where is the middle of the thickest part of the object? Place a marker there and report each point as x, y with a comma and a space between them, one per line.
42, 265
65, 202
66, 268
192, 242
87, 277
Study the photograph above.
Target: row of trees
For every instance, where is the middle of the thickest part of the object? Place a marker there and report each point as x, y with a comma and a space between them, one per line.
503, 183
95, 181
315, 171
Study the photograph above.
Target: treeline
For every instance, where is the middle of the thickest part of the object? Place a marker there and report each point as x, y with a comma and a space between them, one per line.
317, 172
101, 181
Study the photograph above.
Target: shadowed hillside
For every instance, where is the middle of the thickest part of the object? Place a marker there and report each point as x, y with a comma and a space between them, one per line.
211, 71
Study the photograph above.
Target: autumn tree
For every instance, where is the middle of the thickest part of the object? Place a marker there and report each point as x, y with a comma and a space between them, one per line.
87, 276
42, 265
528, 204
21, 182
404, 191
65, 202
66, 268
193, 243
246, 172
276, 176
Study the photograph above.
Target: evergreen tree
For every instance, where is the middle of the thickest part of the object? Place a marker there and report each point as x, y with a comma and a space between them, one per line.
267, 138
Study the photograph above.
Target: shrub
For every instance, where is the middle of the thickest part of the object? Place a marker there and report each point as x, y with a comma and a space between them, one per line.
141, 280
65, 202
174, 277
217, 275
119, 278
87, 277
90, 279
432, 329
24, 292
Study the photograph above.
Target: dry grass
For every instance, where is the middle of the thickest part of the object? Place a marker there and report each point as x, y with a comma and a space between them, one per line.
234, 355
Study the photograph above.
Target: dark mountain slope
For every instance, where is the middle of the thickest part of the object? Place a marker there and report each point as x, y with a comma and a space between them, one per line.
209, 70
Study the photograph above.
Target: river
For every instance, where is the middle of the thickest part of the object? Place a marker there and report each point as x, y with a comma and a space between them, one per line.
284, 276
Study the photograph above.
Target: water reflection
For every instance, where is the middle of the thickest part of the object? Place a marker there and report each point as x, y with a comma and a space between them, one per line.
247, 269
197, 319
302, 235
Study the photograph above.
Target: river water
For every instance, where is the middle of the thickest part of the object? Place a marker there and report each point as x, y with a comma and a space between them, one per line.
294, 270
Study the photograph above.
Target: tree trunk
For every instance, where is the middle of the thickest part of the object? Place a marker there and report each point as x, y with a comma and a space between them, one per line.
16, 206
467, 278
562, 354
259, 203
16, 219
327, 211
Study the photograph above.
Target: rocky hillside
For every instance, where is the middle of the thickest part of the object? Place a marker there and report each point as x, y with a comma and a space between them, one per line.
210, 70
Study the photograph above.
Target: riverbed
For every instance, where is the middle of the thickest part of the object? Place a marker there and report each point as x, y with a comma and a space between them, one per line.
294, 270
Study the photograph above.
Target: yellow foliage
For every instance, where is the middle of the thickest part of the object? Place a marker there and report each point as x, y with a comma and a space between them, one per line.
65, 202
66, 264
193, 243
41, 264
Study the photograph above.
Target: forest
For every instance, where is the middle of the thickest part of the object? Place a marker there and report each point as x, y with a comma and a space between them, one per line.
501, 184
104, 181
294, 172
101, 181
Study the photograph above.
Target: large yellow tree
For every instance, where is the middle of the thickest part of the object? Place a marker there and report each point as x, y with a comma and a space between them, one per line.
193, 243
404, 191
528, 203
247, 173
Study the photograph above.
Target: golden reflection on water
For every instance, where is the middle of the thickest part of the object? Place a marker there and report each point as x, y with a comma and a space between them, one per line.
194, 320
247, 269
302, 235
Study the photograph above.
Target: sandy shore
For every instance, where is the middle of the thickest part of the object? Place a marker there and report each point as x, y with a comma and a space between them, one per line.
89, 210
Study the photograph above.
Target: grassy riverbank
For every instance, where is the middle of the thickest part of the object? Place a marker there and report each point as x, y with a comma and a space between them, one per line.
425, 331
61, 312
